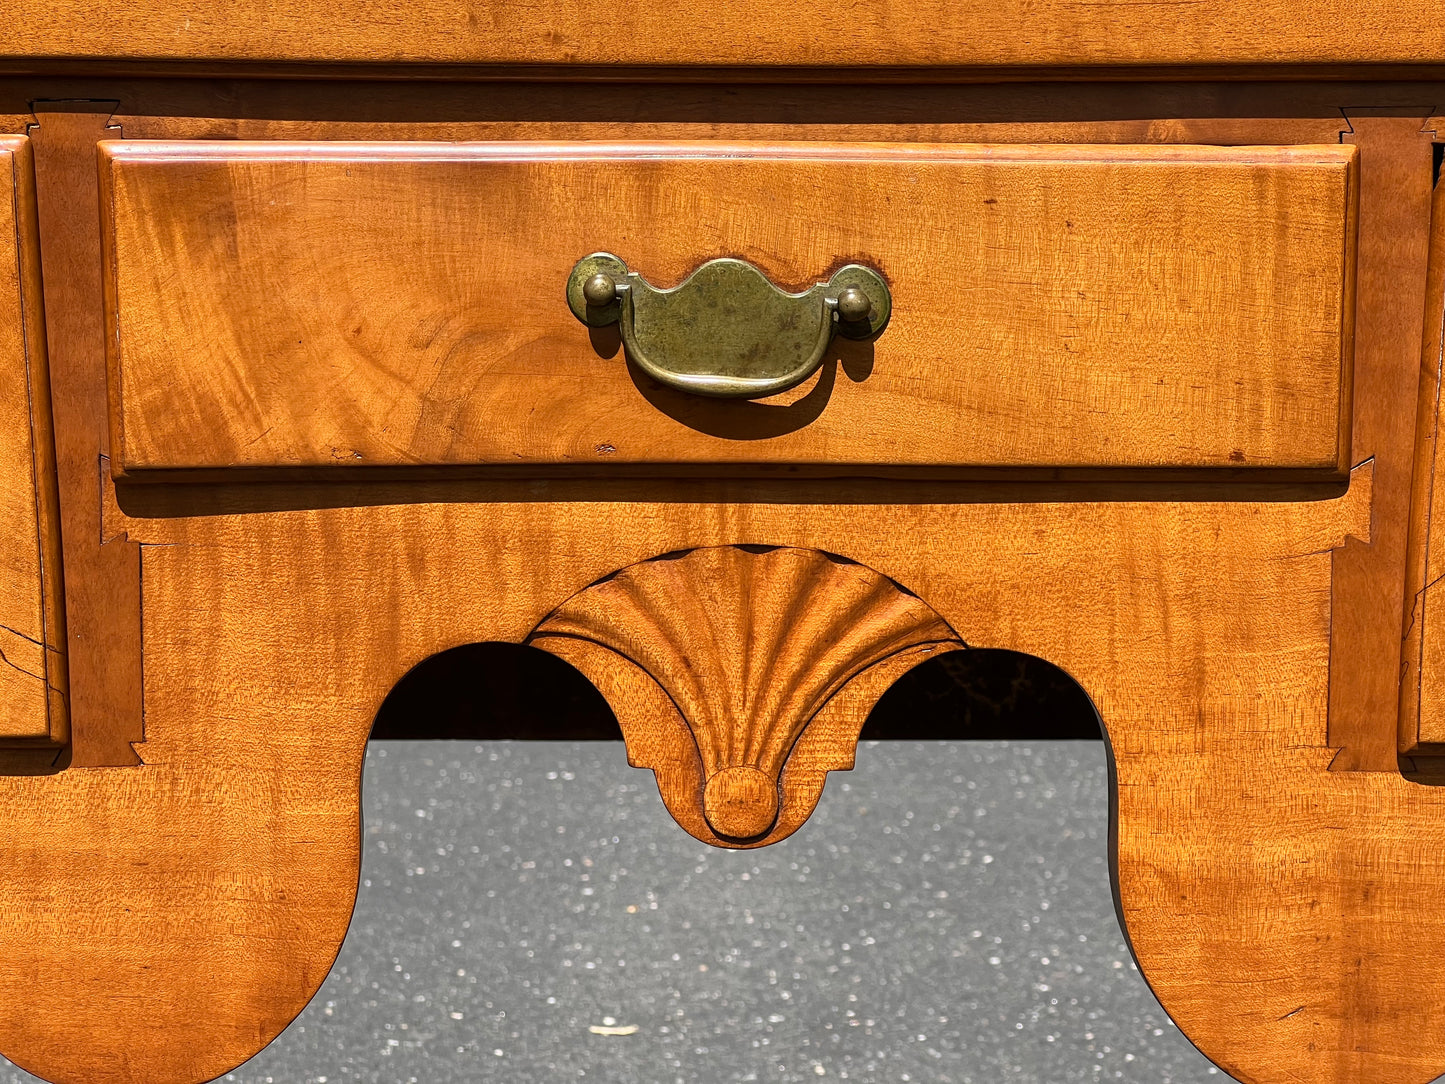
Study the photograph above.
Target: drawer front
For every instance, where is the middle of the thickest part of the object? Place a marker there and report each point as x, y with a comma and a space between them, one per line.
32, 630
282, 305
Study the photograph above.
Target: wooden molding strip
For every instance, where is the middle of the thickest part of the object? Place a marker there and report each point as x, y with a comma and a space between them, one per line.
978, 35
34, 714
102, 575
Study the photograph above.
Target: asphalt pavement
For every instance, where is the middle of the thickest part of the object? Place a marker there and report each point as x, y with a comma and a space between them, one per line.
530, 914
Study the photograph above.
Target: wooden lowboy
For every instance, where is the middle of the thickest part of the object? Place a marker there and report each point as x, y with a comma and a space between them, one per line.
743, 359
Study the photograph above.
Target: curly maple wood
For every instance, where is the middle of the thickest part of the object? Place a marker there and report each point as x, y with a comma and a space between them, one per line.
1422, 684
323, 305
102, 569
161, 922
34, 718
804, 39
717, 662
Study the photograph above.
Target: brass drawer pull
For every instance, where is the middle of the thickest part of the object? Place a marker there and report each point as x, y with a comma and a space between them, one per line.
727, 331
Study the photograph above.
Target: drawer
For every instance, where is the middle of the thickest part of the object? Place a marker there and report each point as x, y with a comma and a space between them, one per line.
1054, 308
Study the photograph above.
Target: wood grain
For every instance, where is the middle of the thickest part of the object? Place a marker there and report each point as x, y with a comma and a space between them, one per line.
102, 571
33, 683
160, 922
809, 34
1287, 916
1395, 176
364, 305
1422, 684
737, 653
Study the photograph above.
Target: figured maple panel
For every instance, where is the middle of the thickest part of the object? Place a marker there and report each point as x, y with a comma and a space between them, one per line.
32, 677
389, 304
160, 923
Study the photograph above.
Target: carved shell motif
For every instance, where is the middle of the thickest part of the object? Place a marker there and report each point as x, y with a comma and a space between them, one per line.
716, 661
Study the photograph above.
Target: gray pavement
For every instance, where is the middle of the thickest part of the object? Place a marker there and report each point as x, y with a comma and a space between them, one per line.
529, 913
